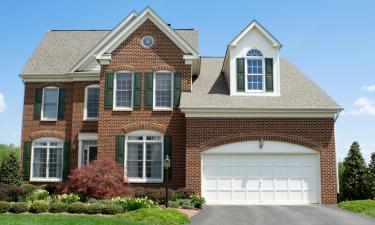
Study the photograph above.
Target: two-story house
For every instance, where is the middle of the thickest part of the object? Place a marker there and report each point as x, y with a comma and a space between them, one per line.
245, 128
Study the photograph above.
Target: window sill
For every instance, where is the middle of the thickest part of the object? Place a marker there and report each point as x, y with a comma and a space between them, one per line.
44, 180
48, 120
90, 119
123, 109
163, 109
144, 181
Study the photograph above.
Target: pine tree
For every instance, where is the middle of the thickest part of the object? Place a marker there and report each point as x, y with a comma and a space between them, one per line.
10, 171
371, 176
354, 176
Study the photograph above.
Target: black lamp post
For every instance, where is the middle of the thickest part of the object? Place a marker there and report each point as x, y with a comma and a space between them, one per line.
167, 165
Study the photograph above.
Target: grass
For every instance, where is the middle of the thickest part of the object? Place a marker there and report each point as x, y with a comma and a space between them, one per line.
157, 216
63, 219
359, 206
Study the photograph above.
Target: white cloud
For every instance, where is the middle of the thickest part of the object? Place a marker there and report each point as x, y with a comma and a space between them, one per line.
365, 107
369, 88
2, 103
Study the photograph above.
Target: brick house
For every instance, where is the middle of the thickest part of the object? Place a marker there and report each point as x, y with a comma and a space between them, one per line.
246, 128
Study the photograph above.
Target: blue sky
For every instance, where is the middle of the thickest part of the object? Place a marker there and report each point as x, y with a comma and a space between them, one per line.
333, 42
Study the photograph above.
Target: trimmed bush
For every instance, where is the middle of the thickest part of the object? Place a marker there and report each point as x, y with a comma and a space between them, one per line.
39, 194
38, 207
140, 192
50, 188
95, 208
10, 171
58, 207
4, 206
181, 203
88, 181
77, 207
131, 203
158, 195
12, 193
111, 209
68, 198
29, 187
19, 207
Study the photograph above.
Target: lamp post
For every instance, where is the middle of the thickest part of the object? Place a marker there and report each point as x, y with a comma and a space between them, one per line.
167, 165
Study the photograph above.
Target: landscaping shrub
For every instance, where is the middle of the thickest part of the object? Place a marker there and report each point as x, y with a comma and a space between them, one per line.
157, 216
4, 206
181, 203
67, 198
197, 201
12, 193
29, 187
77, 207
19, 207
131, 203
354, 175
158, 195
111, 209
50, 188
10, 171
58, 207
94, 208
140, 192
183, 193
174, 204
39, 194
38, 207
88, 181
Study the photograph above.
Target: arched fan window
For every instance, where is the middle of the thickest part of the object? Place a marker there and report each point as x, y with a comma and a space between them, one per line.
254, 52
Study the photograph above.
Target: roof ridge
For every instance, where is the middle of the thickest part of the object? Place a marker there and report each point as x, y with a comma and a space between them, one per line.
81, 30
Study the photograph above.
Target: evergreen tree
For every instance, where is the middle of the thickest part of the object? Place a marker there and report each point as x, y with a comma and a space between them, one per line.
371, 176
10, 171
341, 169
354, 176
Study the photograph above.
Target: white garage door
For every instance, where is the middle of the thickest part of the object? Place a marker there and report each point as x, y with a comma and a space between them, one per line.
260, 179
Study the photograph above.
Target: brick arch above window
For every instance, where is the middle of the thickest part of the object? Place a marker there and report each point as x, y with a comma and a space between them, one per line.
123, 68
46, 133
144, 126
260, 136
163, 68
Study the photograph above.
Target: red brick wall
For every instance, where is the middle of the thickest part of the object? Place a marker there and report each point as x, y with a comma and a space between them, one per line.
318, 134
131, 56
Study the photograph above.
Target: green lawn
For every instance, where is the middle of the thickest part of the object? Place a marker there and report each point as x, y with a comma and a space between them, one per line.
359, 206
157, 216
63, 219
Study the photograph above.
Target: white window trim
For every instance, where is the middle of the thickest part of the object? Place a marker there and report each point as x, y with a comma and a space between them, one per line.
154, 90
42, 108
144, 133
84, 137
121, 108
85, 118
263, 74
47, 139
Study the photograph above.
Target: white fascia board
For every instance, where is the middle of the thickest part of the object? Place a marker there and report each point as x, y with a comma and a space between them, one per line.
88, 136
253, 24
104, 41
148, 13
61, 77
259, 113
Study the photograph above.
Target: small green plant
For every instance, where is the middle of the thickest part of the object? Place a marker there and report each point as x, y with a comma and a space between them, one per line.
38, 206
19, 207
111, 209
29, 187
68, 198
131, 203
4, 206
181, 203
94, 208
197, 201
58, 207
77, 207
39, 194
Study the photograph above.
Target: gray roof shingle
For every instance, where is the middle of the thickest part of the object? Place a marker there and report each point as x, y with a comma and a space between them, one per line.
60, 51
297, 91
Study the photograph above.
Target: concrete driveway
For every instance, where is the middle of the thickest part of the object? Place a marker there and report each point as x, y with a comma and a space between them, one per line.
279, 215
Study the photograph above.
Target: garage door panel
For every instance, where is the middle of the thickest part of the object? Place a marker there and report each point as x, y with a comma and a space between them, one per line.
211, 183
225, 195
295, 183
239, 183
267, 184
267, 196
225, 183
252, 171
280, 171
239, 196
281, 196
211, 195
309, 184
281, 183
266, 171
217, 171
253, 184
253, 196
295, 196
239, 171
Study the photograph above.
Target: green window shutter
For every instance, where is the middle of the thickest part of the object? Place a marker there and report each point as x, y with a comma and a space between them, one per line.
269, 74
168, 151
38, 103
120, 149
149, 83
26, 160
137, 91
108, 101
177, 90
93, 153
61, 107
240, 74
66, 157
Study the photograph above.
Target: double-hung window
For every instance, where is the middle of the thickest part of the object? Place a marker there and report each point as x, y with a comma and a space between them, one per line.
47, 159
91, 102
144, 156
123, 95
163, 90
50, 103
255, 71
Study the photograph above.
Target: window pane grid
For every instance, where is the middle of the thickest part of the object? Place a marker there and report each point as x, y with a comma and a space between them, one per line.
92, 106
47, 160
255, 74
124, 84
135, 160
163, 89
50, 103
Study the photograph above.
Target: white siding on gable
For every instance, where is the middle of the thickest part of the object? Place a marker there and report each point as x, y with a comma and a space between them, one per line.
254, 39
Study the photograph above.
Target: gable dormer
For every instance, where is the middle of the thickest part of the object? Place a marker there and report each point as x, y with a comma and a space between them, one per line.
251, 64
